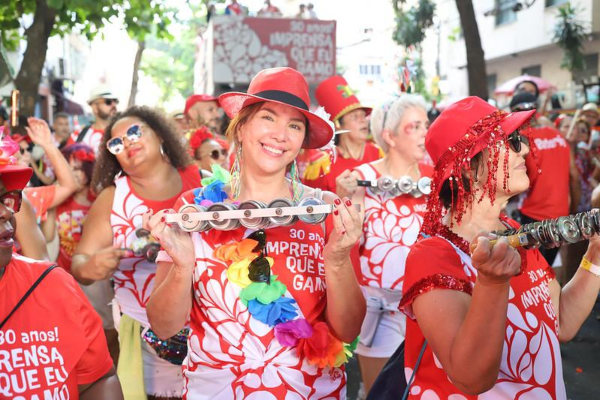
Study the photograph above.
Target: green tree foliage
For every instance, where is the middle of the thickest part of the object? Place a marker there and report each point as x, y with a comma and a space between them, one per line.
40, 19
569, 35
412, 22
170, 65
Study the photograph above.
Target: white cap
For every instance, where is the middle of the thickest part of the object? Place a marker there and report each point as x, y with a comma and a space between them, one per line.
590, 107
102, 91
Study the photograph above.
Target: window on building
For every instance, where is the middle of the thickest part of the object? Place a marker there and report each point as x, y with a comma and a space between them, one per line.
550, 3
492, 81
505, 12
534, 70
590, 70
370, 70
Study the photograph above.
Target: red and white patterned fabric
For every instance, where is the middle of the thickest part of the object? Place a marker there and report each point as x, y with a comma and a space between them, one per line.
232, 355
531, 366
134, 279
391, 226
92, 138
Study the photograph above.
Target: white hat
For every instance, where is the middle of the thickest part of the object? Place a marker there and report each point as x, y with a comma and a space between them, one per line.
101, 92
593, 107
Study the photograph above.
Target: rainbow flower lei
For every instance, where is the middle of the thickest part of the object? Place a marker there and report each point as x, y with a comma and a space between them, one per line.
268, 303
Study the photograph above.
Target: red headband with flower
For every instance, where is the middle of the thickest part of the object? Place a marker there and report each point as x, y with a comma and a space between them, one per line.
200, 135
84, 155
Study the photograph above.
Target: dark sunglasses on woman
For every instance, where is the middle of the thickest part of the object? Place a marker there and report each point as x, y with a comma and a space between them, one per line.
216, 154
12, 200
117, 145
515, 139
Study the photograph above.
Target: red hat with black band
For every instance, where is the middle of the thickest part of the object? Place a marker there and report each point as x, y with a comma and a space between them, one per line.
284, 86
461, 131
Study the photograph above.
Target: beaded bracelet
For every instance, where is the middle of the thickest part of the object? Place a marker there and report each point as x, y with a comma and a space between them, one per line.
588, 266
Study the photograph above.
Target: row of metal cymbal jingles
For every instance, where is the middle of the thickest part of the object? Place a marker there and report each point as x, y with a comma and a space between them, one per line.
551, 233
251, 214
404, 185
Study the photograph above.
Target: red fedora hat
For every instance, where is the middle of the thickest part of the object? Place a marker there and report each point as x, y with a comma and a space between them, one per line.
338, 99
284, 86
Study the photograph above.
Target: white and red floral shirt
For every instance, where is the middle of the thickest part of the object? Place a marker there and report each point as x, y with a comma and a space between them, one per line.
134, 278
531, 366
391, 226
231, 354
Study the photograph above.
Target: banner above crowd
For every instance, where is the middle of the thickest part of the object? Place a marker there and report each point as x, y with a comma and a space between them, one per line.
240, 47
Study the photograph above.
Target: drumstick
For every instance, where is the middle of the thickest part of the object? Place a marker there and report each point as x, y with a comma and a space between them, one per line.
516, 240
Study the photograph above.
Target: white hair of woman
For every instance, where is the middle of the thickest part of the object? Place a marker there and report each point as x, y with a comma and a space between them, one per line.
390, 113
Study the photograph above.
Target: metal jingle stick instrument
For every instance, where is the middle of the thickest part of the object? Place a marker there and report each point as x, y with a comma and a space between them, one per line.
404, 185
251, 214
551, 233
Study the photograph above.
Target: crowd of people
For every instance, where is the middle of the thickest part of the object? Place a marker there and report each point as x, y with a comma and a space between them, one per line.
269, 10
102, 295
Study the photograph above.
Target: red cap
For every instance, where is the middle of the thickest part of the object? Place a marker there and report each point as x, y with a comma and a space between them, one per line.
198, 98
337, 98
284, 86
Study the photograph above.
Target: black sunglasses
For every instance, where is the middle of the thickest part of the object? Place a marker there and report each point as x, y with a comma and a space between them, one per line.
12, 200
259, 269
216, 154
515, 139
109, 102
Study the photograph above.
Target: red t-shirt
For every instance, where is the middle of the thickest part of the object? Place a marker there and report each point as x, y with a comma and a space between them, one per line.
70, 216
530, 366
341, 164
548, 195
54, 341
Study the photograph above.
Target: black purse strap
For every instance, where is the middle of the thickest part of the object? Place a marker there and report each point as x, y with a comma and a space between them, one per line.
26, 295
412, 378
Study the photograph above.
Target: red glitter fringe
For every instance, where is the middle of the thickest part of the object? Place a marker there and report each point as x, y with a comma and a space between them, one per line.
437, 281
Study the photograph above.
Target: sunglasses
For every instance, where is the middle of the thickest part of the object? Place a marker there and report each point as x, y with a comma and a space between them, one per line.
259, 269
117, 145
109, 102
216, 154
515, 139
12, 200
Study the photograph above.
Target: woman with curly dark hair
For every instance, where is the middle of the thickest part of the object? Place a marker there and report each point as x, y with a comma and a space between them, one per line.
141, 166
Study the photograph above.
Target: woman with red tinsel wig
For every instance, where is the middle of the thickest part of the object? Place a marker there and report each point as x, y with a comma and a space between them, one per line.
485, 323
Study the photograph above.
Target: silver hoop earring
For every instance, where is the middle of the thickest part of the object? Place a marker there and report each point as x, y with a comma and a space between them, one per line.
162, 151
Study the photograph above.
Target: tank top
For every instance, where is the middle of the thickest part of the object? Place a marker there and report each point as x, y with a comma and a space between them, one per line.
134, 278
391, 226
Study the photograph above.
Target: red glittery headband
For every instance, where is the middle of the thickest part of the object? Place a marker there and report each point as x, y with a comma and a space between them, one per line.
200, 135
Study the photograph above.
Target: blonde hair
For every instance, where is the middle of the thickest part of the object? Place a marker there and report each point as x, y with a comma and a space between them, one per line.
390, 113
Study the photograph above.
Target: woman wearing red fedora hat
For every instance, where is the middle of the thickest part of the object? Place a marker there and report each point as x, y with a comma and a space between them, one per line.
271, 311
352, 147
51, 337
392, 221
487, 323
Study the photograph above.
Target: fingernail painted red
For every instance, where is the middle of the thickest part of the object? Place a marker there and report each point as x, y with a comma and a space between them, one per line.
337, 201
348, 203
336, 212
